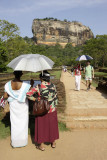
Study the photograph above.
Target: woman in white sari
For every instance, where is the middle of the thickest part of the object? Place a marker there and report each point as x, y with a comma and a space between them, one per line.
15, 91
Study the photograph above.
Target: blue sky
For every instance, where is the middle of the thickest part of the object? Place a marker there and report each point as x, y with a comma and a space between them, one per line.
92, 13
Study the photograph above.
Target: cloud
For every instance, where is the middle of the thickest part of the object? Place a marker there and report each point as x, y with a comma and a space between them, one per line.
27, 6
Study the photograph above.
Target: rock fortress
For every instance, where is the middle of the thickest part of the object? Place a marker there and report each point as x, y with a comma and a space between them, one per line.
50, 32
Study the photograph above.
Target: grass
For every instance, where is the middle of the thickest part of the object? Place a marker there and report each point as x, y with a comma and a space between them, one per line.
62, 127
94, 83
56, 74
32, 74
5, 127
9, 70
4, 131
1, 113
99, 74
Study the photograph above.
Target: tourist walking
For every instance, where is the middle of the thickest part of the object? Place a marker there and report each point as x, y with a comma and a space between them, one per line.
15, 93
89, 74
46, 126
77, 77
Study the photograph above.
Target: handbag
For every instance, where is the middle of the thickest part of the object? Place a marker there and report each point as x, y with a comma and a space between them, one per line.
4, 104
41, 107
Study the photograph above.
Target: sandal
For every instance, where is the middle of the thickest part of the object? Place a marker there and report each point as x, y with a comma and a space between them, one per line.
40, 148
53, 145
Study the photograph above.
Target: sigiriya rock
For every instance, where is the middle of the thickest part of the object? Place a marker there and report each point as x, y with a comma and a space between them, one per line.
50, 32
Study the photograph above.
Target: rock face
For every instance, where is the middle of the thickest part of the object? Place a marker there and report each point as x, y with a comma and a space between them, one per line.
50, 32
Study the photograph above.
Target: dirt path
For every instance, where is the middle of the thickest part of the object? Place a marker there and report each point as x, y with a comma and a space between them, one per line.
89, 144
75, 145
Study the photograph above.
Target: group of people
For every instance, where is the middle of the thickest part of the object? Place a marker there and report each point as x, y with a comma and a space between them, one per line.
89, 75
17, 93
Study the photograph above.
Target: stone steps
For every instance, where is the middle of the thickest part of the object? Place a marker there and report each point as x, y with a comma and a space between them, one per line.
98, 124
86, 112
81, 122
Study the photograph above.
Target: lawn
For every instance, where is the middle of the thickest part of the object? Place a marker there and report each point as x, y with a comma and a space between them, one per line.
100, 74
4, 130
54, 73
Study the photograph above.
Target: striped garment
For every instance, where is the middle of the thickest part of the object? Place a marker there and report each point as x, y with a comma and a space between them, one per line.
48, 90
2, 102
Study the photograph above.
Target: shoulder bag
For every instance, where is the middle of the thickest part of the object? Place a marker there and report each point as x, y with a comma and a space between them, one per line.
41, 107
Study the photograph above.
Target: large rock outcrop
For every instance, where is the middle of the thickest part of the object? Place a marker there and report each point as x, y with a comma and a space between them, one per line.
50, 32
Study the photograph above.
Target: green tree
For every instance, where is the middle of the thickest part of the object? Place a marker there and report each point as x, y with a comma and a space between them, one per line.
97, 48
8, 30
102, 39
3, 56
17, 46
28, 40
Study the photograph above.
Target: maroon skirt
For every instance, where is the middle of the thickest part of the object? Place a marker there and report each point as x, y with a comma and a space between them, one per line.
46, 128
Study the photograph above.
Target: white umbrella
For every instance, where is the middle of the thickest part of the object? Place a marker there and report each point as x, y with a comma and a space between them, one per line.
84, 58
31, 62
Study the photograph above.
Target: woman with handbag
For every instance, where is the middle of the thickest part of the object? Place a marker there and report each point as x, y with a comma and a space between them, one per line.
46, 125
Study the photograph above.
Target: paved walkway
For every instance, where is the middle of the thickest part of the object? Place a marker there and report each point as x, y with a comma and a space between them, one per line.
84, 109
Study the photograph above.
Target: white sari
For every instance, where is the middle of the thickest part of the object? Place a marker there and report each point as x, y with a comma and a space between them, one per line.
18, 114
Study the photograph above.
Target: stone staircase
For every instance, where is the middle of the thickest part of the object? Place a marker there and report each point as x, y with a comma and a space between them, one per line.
84, 109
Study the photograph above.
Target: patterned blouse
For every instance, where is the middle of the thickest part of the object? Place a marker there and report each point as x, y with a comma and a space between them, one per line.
48, 90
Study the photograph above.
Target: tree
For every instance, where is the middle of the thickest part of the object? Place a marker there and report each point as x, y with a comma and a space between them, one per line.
8, 30
97, 48
3, 56
28, 40
65, 20
102, 39
17, 46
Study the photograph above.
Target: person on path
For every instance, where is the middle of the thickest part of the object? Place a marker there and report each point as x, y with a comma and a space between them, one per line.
15, 93
72, 71
46, 126
89, 74
77, 77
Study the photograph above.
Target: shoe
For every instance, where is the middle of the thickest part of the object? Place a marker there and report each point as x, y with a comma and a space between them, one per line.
40, 148
53, 145
87, 89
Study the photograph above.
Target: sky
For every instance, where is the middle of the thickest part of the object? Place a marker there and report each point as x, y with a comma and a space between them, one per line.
91, 13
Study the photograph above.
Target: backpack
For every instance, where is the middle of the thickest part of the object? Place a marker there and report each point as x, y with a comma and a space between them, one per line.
91, 68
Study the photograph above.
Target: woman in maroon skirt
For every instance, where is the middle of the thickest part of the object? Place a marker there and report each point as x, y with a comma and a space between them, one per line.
46, 126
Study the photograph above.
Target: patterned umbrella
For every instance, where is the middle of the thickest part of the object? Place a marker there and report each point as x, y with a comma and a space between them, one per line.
84, 58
